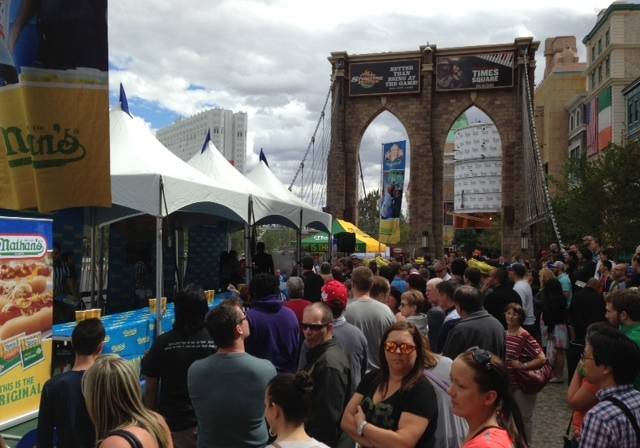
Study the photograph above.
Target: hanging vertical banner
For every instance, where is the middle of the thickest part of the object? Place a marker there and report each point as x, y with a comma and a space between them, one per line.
393, 167
26, 311
54, 104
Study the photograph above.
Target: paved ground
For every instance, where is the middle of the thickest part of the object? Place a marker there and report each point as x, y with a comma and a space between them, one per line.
551, 416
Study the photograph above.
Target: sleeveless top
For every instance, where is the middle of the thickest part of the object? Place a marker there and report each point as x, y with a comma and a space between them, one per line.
134, 442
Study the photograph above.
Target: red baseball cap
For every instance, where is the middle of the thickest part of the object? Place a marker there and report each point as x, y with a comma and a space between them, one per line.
334, 292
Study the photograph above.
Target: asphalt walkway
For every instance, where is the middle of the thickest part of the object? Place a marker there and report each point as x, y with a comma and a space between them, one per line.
550, 417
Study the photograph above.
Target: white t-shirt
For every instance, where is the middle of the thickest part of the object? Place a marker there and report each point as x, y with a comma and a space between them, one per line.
313, 443
523, 288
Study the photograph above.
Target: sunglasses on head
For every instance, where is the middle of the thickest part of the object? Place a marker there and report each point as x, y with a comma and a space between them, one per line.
393, 347
313, 327
482, 357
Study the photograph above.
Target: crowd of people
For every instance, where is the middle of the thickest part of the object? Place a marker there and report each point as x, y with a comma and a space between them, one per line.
445, 355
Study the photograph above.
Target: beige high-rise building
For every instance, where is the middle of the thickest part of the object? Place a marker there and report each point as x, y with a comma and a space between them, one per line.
228, 132
563, 80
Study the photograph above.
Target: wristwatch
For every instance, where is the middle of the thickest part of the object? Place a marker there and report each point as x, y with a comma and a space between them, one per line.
361, 426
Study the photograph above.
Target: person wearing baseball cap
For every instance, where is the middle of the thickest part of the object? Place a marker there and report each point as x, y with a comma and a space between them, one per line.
349, 337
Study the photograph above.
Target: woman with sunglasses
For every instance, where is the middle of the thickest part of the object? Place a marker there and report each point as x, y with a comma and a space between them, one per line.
395, 405
479, 394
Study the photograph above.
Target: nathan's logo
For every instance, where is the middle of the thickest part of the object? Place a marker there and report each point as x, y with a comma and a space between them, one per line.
22, 246
34, 146
367, 79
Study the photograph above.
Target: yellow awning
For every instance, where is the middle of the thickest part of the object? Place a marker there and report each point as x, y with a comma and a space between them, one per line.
373, 245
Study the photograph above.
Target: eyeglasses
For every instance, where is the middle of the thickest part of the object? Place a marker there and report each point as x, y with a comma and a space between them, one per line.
583, 356
313, 327
393, 347
244, 317
482, 357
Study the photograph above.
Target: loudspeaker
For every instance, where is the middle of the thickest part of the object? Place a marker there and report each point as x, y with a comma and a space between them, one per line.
346, 242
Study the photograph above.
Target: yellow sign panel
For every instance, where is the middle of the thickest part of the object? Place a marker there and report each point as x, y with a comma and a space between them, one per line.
53, 152
390, 230
22, 382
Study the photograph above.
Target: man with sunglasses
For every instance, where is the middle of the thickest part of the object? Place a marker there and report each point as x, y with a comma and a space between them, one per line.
227, 388
328, 366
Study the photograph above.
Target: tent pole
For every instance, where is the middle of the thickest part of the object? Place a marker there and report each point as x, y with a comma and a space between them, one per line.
101, 270
92, 270
159, 265
248, 249
299, 245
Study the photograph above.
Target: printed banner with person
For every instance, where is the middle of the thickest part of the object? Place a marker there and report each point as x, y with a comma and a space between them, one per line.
54, 104
26, 314
393, 168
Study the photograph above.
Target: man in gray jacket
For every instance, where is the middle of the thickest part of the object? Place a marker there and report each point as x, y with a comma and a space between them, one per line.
476, 327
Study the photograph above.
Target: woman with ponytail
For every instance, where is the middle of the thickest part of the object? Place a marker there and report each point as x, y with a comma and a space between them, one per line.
479, 394
287, 404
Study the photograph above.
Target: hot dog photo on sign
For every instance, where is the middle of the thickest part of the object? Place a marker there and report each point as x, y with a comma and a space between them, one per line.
26, 285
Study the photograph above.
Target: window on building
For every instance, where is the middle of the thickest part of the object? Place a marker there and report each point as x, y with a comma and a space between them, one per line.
607, 67
571, 123
600, 73
593, 79
607, 38
599, 46
593, 53
578, 121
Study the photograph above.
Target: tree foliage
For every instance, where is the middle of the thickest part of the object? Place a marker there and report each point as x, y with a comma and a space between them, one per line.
598, 197
369, 213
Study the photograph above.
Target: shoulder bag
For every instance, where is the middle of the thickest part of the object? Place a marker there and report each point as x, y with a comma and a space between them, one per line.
531, 381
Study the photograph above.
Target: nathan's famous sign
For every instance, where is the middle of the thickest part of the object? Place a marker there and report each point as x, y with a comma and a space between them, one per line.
54, 105
384, 78
478, 71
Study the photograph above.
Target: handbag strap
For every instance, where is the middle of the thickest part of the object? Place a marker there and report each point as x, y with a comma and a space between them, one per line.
623, 407
567, 433
133, 441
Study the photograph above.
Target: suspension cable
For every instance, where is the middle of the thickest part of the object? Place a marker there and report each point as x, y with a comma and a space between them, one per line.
536, 147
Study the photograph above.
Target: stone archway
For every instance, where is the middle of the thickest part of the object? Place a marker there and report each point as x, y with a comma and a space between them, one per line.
427, 116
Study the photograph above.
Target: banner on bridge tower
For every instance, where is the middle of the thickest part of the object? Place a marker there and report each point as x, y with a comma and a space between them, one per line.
393, 169
476, 71
54, 104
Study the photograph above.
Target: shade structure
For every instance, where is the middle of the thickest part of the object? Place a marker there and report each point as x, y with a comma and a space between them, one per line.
364, 243
147, 178
262, 176
371, 245
267, 209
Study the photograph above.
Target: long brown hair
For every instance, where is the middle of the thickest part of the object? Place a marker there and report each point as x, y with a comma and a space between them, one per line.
417, 371
112, 394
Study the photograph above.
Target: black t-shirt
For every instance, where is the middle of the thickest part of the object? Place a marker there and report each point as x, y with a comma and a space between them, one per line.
169, 360
420, 400
62, 407
313, 284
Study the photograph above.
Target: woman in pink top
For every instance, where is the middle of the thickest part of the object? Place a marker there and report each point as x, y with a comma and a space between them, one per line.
479, 394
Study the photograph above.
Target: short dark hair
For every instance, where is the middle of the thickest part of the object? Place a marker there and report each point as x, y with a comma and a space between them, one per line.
221, 323
386, 272
293, 393
458, 266
336, 273
190, 309
615, 350
502, 275
379, 286
416, 281
607, 264
325, 268
263, 285
307, 263
447, 288
468, 299
87, 336
628, 300
473, 275
362, 278
260, 247
373, 266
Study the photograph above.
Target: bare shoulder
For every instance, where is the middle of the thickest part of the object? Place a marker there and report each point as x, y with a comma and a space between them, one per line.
141, 434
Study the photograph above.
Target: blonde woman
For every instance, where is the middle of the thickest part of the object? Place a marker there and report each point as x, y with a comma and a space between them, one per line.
112, 393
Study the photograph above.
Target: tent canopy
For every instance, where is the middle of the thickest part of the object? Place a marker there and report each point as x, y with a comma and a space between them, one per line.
364, 243
262, 176
139, 163
267, 209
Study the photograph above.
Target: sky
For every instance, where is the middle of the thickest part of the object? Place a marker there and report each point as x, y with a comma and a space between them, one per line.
269, 57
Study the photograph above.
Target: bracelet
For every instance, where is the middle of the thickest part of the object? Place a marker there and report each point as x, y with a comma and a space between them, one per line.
361, 426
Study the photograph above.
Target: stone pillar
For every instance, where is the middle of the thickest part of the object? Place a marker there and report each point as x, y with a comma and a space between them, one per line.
336, 162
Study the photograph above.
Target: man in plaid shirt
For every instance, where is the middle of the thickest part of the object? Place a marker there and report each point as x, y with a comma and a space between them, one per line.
612, 362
